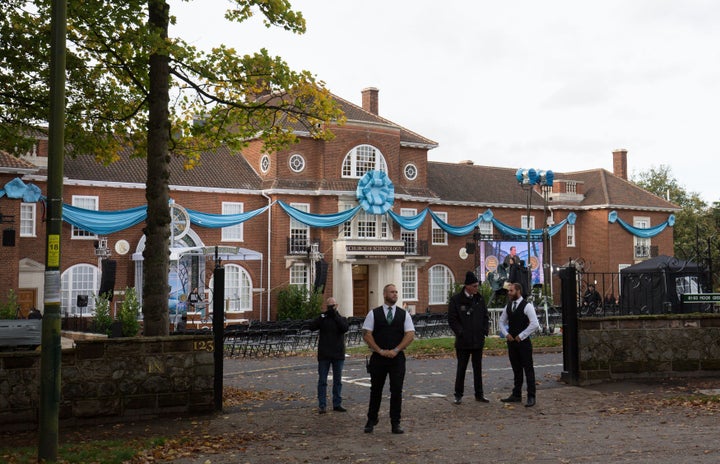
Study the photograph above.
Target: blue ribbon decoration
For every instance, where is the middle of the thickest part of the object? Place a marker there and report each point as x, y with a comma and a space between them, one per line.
319, 220
375, 192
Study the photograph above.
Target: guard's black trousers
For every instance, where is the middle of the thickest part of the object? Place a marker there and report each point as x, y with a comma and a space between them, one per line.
521, 360
463, 357
380, 368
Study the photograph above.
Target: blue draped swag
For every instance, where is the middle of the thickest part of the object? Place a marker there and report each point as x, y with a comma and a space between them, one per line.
640, 232
103, 222
214, 221
535, 234
319, 220
409, 222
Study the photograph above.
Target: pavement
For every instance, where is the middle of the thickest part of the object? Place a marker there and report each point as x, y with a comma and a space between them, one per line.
641, 422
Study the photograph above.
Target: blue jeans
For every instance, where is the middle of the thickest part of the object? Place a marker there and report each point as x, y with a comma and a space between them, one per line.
323, 369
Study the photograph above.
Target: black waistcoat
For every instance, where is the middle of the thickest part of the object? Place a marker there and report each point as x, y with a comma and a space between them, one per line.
388, 336
517, 320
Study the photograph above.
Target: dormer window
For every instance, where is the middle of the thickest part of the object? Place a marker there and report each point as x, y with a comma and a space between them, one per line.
362, 159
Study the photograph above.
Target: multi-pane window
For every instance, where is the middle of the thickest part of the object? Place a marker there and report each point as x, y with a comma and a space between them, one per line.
486, 228
409, 236
525, 220
238, 288
27, 219
439, 236
570, 231
364, 225
362, 159
232, 233
409, 282
642, 244
81, 279
85, 202
299, 274
299, 232
440, 282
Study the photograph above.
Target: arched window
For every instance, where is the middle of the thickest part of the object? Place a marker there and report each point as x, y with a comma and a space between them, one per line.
238, 288
440, 283
81, 279
362, 159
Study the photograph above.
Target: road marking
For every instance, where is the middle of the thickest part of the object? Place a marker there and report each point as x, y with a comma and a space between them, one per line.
431, 395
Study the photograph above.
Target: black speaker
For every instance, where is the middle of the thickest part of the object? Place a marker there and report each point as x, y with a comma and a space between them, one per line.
470, 247
82, 301
321, 270
107, 282
9, 237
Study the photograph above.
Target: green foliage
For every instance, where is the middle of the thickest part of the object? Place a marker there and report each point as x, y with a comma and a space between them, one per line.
128, 313
454, 290
9, 309
697, 227
116, 451
296, 302
102, 320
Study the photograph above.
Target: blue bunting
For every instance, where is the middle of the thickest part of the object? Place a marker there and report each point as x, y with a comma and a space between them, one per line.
640, 232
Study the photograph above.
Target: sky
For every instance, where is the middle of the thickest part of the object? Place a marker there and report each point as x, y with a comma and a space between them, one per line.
553, 85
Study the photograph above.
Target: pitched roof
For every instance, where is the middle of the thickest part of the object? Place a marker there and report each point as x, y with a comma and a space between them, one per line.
9, 162
217, 169
354, 112
489, 185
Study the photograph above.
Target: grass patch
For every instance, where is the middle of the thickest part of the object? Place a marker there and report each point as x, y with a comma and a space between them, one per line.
90, 451
446, 346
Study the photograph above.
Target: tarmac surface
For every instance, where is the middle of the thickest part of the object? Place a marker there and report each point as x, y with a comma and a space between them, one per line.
276, 419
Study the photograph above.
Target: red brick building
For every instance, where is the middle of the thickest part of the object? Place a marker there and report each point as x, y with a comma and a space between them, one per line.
321, 177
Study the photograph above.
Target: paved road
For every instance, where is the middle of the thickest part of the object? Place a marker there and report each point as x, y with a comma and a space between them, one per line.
425, 379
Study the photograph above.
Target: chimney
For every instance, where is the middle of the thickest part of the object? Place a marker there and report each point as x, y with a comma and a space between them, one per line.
620, 163
370, 99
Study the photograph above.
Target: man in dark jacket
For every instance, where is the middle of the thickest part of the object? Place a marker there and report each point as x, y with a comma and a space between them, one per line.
331, 352
469, 320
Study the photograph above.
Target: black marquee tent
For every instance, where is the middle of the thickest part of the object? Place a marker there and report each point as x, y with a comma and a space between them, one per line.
655, 286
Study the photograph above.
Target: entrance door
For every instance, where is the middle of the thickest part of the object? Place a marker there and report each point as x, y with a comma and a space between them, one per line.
360, 290
26, 299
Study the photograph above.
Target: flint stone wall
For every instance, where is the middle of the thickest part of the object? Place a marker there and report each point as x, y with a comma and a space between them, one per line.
633, 347
113, 380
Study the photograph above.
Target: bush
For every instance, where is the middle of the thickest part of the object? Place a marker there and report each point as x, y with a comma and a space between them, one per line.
102, 320
128, 313
297, 303
9, 309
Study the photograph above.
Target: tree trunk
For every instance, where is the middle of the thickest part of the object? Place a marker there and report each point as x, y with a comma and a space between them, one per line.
156, 255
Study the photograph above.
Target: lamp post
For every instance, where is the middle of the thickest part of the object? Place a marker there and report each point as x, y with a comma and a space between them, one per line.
528, 179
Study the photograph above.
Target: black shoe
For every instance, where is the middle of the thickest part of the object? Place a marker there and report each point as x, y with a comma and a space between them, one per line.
397, 429
512, 399
482, 399
458, 399
530, 402
339, 409
322, 410
369, 425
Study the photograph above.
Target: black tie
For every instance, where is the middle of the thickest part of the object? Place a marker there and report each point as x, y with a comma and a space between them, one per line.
514, 305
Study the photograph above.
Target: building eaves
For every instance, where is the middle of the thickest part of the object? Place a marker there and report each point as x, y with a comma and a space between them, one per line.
12, 164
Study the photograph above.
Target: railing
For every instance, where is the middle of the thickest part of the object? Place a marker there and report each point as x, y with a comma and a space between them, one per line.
416, 247
300, 245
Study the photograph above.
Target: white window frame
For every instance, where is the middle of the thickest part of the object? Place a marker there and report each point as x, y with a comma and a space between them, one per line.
409, 236
409, 282
80, 279
238, 288
641, 245
358, 161
440, 281
28, 221
570, 234
524, 221
364, 225
299, 232
485, 227
439, 236
300, 275
232, 233
86, 202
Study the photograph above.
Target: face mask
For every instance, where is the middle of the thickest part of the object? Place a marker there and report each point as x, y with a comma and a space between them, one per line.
330, 307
